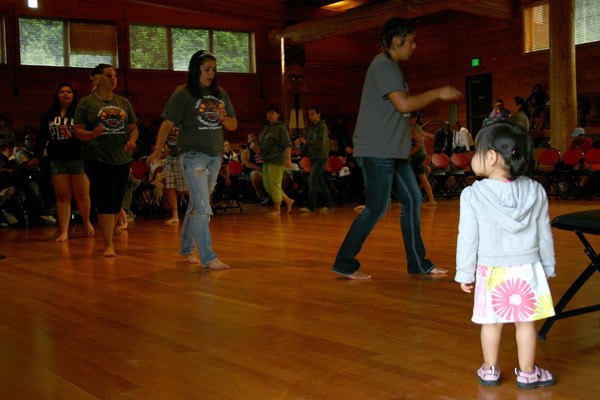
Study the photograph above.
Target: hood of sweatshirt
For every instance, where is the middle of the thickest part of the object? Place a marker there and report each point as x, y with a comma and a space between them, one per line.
507, 203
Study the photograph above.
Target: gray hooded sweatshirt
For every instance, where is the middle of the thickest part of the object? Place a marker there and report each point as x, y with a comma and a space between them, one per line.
503, 224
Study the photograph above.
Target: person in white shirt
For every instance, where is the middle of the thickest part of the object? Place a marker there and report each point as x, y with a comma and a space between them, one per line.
462, 140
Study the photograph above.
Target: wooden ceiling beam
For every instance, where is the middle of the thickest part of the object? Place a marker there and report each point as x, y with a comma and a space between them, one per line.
367, 17
503, 9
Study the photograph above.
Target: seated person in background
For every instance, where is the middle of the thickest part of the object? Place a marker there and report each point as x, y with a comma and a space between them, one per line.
498, 114
228, 153
7, 134
253, 168
38, 190
8, 182
521, 117
580, 141
442, 142
462, 140
417, 156
536, 101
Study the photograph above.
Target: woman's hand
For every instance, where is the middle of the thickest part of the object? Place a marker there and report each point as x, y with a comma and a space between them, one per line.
65, 132
97, 131
467, 287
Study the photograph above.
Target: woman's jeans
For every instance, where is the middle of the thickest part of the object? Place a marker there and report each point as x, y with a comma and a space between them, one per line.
200, 172
316, 183
380, 175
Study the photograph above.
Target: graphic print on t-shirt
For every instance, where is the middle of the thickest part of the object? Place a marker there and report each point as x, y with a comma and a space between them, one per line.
208, 116
113, 118
55, 130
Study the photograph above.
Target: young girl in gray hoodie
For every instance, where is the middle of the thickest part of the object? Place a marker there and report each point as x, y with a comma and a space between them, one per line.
505, 251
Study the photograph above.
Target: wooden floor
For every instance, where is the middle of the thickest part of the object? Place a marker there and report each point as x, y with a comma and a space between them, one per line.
278, 325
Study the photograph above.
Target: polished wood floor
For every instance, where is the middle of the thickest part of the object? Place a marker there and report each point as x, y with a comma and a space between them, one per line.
278, 325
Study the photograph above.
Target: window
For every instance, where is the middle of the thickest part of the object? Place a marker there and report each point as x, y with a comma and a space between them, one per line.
66, 44
536, 24
165, 48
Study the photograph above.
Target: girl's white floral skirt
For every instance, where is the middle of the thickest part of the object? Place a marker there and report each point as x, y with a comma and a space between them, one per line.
511, 294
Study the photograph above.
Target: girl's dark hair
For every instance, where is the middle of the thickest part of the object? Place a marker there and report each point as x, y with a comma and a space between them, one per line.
396, 27
193, 79
514, 146
55, 107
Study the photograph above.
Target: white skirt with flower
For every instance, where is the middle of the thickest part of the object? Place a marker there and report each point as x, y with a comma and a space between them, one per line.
511, 294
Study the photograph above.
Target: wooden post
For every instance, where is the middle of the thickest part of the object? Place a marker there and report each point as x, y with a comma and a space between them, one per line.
563, 85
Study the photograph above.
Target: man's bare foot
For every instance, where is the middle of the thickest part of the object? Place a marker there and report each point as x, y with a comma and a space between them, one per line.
357, 276
62, 237
192, 259
438, 270
217, 264
359, 208
173, 221
109, 252
89, 230
274, 212
430, 203
289, 205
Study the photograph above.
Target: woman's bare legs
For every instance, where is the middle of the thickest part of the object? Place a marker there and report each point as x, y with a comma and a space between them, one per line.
427, 186
80, 186
171, 194
62, 190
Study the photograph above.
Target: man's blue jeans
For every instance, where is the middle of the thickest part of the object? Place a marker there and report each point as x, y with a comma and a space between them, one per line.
200, 172
380, 175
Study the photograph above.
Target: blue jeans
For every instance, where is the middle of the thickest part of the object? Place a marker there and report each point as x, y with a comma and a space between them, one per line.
200, 172
380, 174
316, 183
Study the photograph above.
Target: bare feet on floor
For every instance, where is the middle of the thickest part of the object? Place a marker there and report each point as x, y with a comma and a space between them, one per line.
173, 221
358, 276
89, 230
289, 205
438, 270
192, 259
430, 203
62, 237
217, 264
109, 252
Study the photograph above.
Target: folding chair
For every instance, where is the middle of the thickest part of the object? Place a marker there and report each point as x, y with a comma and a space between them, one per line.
569, 173
545, 170
461, 171
579, 222
440, 164
590, 174
232, 195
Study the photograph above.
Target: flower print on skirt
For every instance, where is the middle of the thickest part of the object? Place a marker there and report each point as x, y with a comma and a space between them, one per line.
511, 294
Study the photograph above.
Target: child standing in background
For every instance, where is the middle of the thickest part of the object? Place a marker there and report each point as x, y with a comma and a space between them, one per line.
505, 251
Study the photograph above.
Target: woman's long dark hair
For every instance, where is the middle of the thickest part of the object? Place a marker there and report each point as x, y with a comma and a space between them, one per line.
55, 107
193, 80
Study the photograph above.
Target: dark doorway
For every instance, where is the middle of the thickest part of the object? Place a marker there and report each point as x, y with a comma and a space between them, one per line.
479, 100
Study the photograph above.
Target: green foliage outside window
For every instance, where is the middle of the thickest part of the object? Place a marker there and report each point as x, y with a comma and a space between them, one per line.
185, 43
232, 50
148, 47
42, 42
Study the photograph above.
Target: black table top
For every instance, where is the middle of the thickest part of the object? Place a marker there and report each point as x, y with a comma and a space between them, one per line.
583, 221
